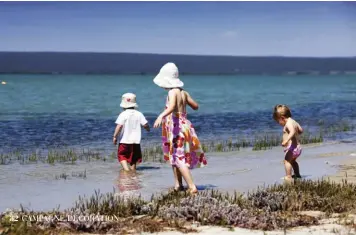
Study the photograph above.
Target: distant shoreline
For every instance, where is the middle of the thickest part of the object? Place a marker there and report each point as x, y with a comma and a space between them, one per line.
182, 74
192, 55
149, 64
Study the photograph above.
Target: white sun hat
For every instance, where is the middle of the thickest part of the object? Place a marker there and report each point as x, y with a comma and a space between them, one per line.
128, 101
168, 77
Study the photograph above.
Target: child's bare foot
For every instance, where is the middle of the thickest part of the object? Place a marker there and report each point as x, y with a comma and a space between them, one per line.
296, 176
178, 188
288, 179
193, 191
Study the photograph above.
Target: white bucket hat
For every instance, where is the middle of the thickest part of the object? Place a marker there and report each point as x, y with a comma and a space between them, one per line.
128, 101
168, 77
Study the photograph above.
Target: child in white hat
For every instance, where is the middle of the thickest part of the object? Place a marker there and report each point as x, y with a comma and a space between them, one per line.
130, 120
180, 143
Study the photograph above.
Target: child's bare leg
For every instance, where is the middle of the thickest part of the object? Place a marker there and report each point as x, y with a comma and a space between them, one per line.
178, 181
184, 170
287, 164
133, 167
124, 165
295, 167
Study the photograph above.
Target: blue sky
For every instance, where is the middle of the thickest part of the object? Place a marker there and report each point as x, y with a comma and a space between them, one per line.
316, 29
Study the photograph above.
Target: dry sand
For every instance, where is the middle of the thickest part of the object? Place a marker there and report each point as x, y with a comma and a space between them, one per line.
327, 229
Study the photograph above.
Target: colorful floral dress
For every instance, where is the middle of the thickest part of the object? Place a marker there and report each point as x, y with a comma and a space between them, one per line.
181, 145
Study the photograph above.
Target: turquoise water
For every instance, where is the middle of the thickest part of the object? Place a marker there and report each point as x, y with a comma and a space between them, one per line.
101, 95
80, 110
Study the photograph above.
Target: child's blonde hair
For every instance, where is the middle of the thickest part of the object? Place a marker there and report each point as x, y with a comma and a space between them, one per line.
281, 110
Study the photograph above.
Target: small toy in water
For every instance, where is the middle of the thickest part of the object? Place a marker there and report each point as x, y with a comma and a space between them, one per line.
3, 83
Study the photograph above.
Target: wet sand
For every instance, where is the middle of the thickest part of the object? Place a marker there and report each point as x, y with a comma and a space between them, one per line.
35, 187
346, 170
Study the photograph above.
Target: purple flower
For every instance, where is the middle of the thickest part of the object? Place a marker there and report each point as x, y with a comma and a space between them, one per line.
176, 130
166, 149
175, 119
195, 161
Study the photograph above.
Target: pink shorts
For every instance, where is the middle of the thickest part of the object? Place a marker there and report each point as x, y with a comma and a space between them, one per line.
295, 150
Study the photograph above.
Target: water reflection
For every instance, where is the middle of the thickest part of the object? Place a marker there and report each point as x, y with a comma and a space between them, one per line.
129, 183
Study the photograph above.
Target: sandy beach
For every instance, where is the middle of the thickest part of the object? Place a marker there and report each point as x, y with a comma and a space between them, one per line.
333, 161
261, 168
241, 92
346, 170
325, 229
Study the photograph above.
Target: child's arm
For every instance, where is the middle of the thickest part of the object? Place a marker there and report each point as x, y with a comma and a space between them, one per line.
300, 129
144, 123
147, 127
116, 132
194, 105
169, 110
119, 124
291, 130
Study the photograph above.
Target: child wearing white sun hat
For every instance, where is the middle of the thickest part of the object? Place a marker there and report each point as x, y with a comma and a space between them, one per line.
130, 120
180, 143
168, 77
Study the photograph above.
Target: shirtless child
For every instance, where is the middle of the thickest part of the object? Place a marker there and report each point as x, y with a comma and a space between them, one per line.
291, 143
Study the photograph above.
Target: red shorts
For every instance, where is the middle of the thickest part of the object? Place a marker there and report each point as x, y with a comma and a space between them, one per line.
130, 153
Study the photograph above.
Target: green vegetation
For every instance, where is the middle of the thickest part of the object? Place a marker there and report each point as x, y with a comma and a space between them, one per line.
154, 152
270, 208
82, 175
55, 156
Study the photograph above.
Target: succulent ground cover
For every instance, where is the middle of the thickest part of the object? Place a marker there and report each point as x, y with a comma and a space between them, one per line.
269, 208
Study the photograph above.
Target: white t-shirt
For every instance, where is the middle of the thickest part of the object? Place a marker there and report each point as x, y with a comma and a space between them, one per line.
131, 120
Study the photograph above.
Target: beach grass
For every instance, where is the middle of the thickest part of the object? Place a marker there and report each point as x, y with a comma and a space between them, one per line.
260, 142
341, 126
269, 208
65, 176
153, 152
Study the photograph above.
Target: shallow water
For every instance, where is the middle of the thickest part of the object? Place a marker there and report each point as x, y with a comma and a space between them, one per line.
45, 111
35, 186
